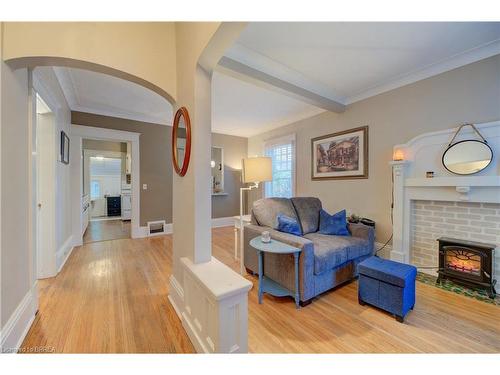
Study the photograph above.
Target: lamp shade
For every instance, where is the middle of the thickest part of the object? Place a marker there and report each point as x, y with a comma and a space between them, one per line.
258, 169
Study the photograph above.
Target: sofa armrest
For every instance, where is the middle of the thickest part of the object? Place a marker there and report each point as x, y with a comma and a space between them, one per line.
253, 231
279, 267
363, 231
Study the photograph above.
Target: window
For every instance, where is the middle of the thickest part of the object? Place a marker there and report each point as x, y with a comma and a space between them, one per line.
282, 153
95, 189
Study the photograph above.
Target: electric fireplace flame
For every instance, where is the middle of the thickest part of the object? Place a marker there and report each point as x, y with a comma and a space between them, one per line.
463, 261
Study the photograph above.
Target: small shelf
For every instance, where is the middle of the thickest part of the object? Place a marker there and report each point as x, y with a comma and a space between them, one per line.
484, 181
270, 286
217, 194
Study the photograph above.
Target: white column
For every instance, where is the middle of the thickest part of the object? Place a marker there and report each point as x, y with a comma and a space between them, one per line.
398, 253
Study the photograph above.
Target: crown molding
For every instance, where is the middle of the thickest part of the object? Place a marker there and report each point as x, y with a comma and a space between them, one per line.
247, 62
456, 61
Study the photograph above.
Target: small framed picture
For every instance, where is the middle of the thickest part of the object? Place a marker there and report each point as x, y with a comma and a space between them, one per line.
64, 148
342, 155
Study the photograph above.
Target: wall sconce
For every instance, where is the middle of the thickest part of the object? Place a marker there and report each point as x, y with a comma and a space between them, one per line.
398, 155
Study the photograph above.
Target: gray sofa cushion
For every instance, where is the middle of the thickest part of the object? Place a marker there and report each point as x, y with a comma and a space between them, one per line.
266, 211
308, 209
333, 251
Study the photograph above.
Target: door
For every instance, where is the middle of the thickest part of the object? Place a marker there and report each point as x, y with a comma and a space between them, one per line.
45, 191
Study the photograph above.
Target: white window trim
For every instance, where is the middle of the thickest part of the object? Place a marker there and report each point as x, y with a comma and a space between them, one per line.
284, 139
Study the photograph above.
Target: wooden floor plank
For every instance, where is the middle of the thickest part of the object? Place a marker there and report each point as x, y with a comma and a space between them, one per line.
112, 297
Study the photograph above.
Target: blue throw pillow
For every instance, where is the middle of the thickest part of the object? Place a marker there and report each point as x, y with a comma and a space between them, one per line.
289, 225
335, 224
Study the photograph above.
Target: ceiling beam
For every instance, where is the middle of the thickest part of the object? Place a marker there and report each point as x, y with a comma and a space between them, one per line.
246, 73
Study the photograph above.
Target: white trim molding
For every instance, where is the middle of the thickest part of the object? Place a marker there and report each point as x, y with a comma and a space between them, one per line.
19, 323
464, 58
248, 65
219, 222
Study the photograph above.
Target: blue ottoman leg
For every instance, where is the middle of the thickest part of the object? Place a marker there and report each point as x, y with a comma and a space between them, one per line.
400, 319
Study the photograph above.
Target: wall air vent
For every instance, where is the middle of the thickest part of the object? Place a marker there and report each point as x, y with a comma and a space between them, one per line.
156, 228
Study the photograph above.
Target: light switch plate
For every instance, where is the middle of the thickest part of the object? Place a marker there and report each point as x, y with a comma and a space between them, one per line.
144, 186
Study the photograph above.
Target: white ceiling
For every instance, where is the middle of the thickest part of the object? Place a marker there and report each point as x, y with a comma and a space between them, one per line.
344, 62
244, 109
347, 62
92, 92
238, 108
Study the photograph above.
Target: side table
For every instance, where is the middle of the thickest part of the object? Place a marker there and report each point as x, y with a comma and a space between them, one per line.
267, 285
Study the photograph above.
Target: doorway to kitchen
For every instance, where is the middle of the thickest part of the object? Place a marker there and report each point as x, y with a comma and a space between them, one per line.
106, 190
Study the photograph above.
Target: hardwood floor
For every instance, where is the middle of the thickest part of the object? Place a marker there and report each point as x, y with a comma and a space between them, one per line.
112, 297
104, 230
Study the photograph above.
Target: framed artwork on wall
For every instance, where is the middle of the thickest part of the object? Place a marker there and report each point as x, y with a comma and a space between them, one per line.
342, 155
64, 148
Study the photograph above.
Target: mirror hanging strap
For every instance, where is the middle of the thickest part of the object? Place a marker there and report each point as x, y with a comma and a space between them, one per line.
473, 127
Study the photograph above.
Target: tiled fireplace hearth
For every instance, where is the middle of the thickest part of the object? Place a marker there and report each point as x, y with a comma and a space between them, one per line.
471, 221
447, 205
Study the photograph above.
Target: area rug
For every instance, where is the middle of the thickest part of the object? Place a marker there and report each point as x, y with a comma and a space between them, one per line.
450, 286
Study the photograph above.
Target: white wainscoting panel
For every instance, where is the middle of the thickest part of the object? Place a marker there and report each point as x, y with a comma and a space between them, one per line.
215, 313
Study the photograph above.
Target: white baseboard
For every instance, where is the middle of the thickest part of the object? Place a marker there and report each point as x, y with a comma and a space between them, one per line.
63, 253
176, 296
223, 222
216, 223
193, 335
18, 325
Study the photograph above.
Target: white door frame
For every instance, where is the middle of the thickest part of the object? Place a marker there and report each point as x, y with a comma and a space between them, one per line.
49, 257
77, 134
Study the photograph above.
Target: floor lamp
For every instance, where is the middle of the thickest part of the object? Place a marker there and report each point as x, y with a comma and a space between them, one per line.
255, 170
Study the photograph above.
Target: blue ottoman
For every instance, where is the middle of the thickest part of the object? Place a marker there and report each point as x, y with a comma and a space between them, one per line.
387, 285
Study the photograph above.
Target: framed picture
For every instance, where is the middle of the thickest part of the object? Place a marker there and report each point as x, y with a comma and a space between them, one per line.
64, 148
342, 155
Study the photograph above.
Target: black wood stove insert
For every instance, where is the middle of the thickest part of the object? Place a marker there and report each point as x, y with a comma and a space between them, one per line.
467, 262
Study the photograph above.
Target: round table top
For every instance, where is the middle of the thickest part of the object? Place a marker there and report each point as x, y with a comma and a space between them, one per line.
274, 246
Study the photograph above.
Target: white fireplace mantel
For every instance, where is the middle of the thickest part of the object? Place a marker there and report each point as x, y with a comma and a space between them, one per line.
423, 154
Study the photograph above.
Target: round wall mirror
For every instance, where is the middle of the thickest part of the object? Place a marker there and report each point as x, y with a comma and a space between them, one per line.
467, 157
181, 141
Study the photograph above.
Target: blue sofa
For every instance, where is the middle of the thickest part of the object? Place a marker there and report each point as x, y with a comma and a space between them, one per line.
325, 262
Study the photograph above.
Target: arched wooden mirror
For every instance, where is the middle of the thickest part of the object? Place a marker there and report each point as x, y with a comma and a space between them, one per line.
181, 141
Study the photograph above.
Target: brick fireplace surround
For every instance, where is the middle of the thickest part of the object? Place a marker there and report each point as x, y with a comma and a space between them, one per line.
471, 221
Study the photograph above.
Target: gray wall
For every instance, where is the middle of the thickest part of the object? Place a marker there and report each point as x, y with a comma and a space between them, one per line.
156, 165
467, 94
15, 192
15, 195
235, 149
155, 161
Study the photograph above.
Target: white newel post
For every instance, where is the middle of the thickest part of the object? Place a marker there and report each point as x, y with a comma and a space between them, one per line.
398, 253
